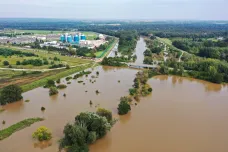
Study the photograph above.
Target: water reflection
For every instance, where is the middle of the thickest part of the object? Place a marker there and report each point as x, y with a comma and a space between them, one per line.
125, 118
14, 107
209, 87
42, 144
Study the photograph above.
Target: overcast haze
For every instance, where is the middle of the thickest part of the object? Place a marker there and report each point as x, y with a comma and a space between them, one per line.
116, 9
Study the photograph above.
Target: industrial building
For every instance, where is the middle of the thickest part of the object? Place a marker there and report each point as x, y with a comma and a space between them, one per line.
72, 39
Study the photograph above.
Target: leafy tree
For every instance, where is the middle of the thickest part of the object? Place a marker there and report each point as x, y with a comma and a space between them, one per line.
164, 69
5, 63
150, 89
88, 127
42, 133
53, 91
132, 91
123, 107
18, 63
10, 94
50, 83
94, 122
105, 113
92, 137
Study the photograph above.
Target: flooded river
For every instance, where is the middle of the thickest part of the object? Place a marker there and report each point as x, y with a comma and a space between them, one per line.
181, 114
139, 50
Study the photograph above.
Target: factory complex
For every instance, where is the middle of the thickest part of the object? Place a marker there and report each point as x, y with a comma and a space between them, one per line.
58, 40
76, 39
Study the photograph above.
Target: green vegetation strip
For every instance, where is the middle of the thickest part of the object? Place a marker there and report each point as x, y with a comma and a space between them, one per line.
18, 126
43, 81
108, 49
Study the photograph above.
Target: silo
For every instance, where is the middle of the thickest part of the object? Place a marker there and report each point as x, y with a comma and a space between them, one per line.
69, 39
76, 39
83, 37
62, 38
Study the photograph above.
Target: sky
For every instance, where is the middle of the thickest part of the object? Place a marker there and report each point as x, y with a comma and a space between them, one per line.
116, 9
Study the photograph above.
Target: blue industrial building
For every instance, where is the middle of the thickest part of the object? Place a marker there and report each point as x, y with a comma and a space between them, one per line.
62, 38
76, 39
69, 39
83, 37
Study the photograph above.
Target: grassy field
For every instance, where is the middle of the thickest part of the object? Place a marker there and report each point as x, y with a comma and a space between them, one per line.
5, 74
43, 54
89, 35
58, 75
18, 126
165, 40
32, 80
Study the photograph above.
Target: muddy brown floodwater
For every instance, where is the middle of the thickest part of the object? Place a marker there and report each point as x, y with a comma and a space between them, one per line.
181, 115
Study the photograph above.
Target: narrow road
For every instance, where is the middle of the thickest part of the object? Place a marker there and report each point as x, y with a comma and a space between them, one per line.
165, 54
182, 52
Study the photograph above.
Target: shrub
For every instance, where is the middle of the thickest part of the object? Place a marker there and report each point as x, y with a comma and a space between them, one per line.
97, 92
68, 82
50, 83
3, 122
132, 91
42, 108
105, 113
58, 81
53, 91
67, 66
27, 100
123, 107
150, 89
61, 86
18, 63
125, 98
42, 133
5, 63
10, 94
68, 78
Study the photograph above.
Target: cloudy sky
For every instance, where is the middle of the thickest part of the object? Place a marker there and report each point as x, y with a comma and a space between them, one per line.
116, 9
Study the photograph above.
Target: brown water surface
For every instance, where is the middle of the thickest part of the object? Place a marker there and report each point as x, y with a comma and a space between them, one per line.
181, 115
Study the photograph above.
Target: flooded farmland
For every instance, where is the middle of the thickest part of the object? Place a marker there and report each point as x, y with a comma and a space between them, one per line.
181, 114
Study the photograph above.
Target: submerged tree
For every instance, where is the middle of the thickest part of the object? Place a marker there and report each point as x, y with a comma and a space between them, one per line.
10, 94
124, 107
